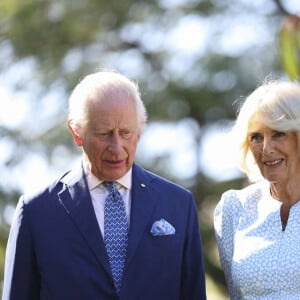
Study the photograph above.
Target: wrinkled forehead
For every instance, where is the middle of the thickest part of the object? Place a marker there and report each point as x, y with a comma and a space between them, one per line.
111, 91
113, 112
112, 100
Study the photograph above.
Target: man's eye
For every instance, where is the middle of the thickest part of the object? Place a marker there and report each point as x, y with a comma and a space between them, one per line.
103, 134
125, 133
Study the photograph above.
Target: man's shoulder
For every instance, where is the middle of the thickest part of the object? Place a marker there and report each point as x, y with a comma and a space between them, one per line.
49, 189
156, 180
42, 191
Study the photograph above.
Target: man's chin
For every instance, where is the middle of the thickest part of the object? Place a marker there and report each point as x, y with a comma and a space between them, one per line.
117, 174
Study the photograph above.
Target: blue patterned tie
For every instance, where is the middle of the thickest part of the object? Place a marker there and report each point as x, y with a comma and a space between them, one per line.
115, 231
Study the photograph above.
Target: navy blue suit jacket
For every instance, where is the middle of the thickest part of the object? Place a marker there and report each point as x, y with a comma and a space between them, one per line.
55, 249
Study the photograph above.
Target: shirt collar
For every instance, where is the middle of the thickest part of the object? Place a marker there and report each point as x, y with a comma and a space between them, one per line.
93, 182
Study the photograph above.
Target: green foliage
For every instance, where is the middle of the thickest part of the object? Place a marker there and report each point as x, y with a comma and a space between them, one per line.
289, 38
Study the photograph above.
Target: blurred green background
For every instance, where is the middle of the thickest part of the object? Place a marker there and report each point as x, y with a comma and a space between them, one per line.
192, 59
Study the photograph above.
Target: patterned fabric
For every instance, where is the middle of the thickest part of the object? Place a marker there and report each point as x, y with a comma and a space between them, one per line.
162, 227
259, 259
115, 232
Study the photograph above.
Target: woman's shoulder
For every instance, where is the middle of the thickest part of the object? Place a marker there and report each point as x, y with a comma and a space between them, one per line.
243, 197
235, 203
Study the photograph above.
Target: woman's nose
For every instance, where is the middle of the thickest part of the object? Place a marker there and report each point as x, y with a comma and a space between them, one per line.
268, 145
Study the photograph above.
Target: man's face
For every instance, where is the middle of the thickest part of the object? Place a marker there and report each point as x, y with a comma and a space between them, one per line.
110, 137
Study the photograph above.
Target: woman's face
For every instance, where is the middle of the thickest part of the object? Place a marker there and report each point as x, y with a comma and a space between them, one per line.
276, 153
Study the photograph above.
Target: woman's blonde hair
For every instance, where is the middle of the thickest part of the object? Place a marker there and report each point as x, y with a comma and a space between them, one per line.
276, 104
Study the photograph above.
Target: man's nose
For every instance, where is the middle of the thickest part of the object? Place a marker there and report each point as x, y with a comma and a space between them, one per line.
115, 142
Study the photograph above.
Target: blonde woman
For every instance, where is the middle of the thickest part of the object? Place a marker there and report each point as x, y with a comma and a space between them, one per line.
258, 227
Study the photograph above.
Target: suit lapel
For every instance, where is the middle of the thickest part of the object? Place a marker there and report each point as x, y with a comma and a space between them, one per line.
76, 200
143, 202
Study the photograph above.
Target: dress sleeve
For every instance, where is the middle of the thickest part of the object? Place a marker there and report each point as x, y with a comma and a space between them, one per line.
226, 217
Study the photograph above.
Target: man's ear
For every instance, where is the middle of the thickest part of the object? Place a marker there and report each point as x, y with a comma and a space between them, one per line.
75, 134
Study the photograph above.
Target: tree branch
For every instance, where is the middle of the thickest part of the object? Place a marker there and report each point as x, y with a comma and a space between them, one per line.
281, 7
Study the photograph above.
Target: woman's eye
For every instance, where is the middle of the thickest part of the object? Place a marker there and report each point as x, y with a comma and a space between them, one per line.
279, 134
256, 138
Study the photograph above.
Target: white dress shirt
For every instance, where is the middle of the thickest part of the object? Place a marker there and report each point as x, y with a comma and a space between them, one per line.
99, 194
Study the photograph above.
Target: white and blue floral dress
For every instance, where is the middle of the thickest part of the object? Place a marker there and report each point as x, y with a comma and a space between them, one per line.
259, 259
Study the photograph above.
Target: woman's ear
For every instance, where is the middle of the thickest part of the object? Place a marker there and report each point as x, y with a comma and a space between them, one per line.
75, 134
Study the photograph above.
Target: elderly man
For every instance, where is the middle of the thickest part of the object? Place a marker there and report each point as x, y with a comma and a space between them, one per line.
107, 229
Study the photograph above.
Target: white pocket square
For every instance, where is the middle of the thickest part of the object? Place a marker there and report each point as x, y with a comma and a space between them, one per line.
162, 227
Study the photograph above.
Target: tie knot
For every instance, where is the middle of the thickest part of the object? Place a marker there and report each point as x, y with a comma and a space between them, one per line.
110, 185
